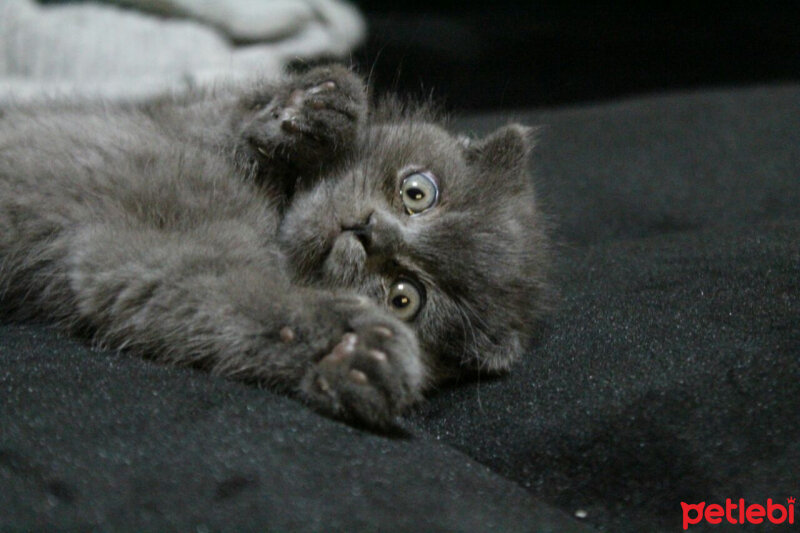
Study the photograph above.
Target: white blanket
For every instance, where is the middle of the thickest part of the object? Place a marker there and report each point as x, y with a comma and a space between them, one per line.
147, 47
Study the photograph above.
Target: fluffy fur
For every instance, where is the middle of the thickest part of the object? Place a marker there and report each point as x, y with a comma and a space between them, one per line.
260, 233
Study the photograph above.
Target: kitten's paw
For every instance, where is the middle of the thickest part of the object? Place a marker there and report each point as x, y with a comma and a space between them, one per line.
311, 121
370, 375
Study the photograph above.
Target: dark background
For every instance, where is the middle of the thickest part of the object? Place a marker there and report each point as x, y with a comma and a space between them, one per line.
668, 374
505, 54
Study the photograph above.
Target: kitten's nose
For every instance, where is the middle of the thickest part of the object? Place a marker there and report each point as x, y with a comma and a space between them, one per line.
380, 234
362, 231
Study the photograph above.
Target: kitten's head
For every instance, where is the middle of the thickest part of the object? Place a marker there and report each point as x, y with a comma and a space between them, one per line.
441, 230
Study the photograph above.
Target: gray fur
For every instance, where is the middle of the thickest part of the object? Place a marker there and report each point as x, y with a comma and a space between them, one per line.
254, 232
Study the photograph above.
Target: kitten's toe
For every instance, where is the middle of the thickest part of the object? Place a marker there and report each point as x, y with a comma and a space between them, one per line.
333, 81
329, 96
369, 376
325, 86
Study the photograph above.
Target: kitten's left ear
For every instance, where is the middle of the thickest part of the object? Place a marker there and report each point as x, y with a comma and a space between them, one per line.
507, 148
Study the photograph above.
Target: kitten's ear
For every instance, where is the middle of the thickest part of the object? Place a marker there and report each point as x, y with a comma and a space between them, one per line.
506, 148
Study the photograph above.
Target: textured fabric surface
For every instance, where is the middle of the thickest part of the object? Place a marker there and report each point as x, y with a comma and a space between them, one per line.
337, 25
669, 373
93, 440
93, 49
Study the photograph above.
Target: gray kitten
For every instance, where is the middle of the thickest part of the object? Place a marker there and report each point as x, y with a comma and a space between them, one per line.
280, 234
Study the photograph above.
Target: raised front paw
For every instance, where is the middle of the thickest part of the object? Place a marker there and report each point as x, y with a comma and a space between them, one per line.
311, 121
370, 375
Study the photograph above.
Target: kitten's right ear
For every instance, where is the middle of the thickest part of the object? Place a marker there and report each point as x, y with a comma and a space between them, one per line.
506, 148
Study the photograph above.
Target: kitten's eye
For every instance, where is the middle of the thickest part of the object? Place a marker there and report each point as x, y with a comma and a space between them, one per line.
419, 192
405, 299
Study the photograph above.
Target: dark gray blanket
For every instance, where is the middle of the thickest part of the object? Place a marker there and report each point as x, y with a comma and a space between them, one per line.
669, 374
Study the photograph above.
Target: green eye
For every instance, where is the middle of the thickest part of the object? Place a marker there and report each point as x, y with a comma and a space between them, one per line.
419, 192
404, 299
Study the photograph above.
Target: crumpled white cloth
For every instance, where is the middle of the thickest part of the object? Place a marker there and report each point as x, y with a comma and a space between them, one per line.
148, 47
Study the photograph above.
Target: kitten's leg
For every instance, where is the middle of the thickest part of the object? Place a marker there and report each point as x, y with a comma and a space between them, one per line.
307, 125
372, 373
292, 131
191, 300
